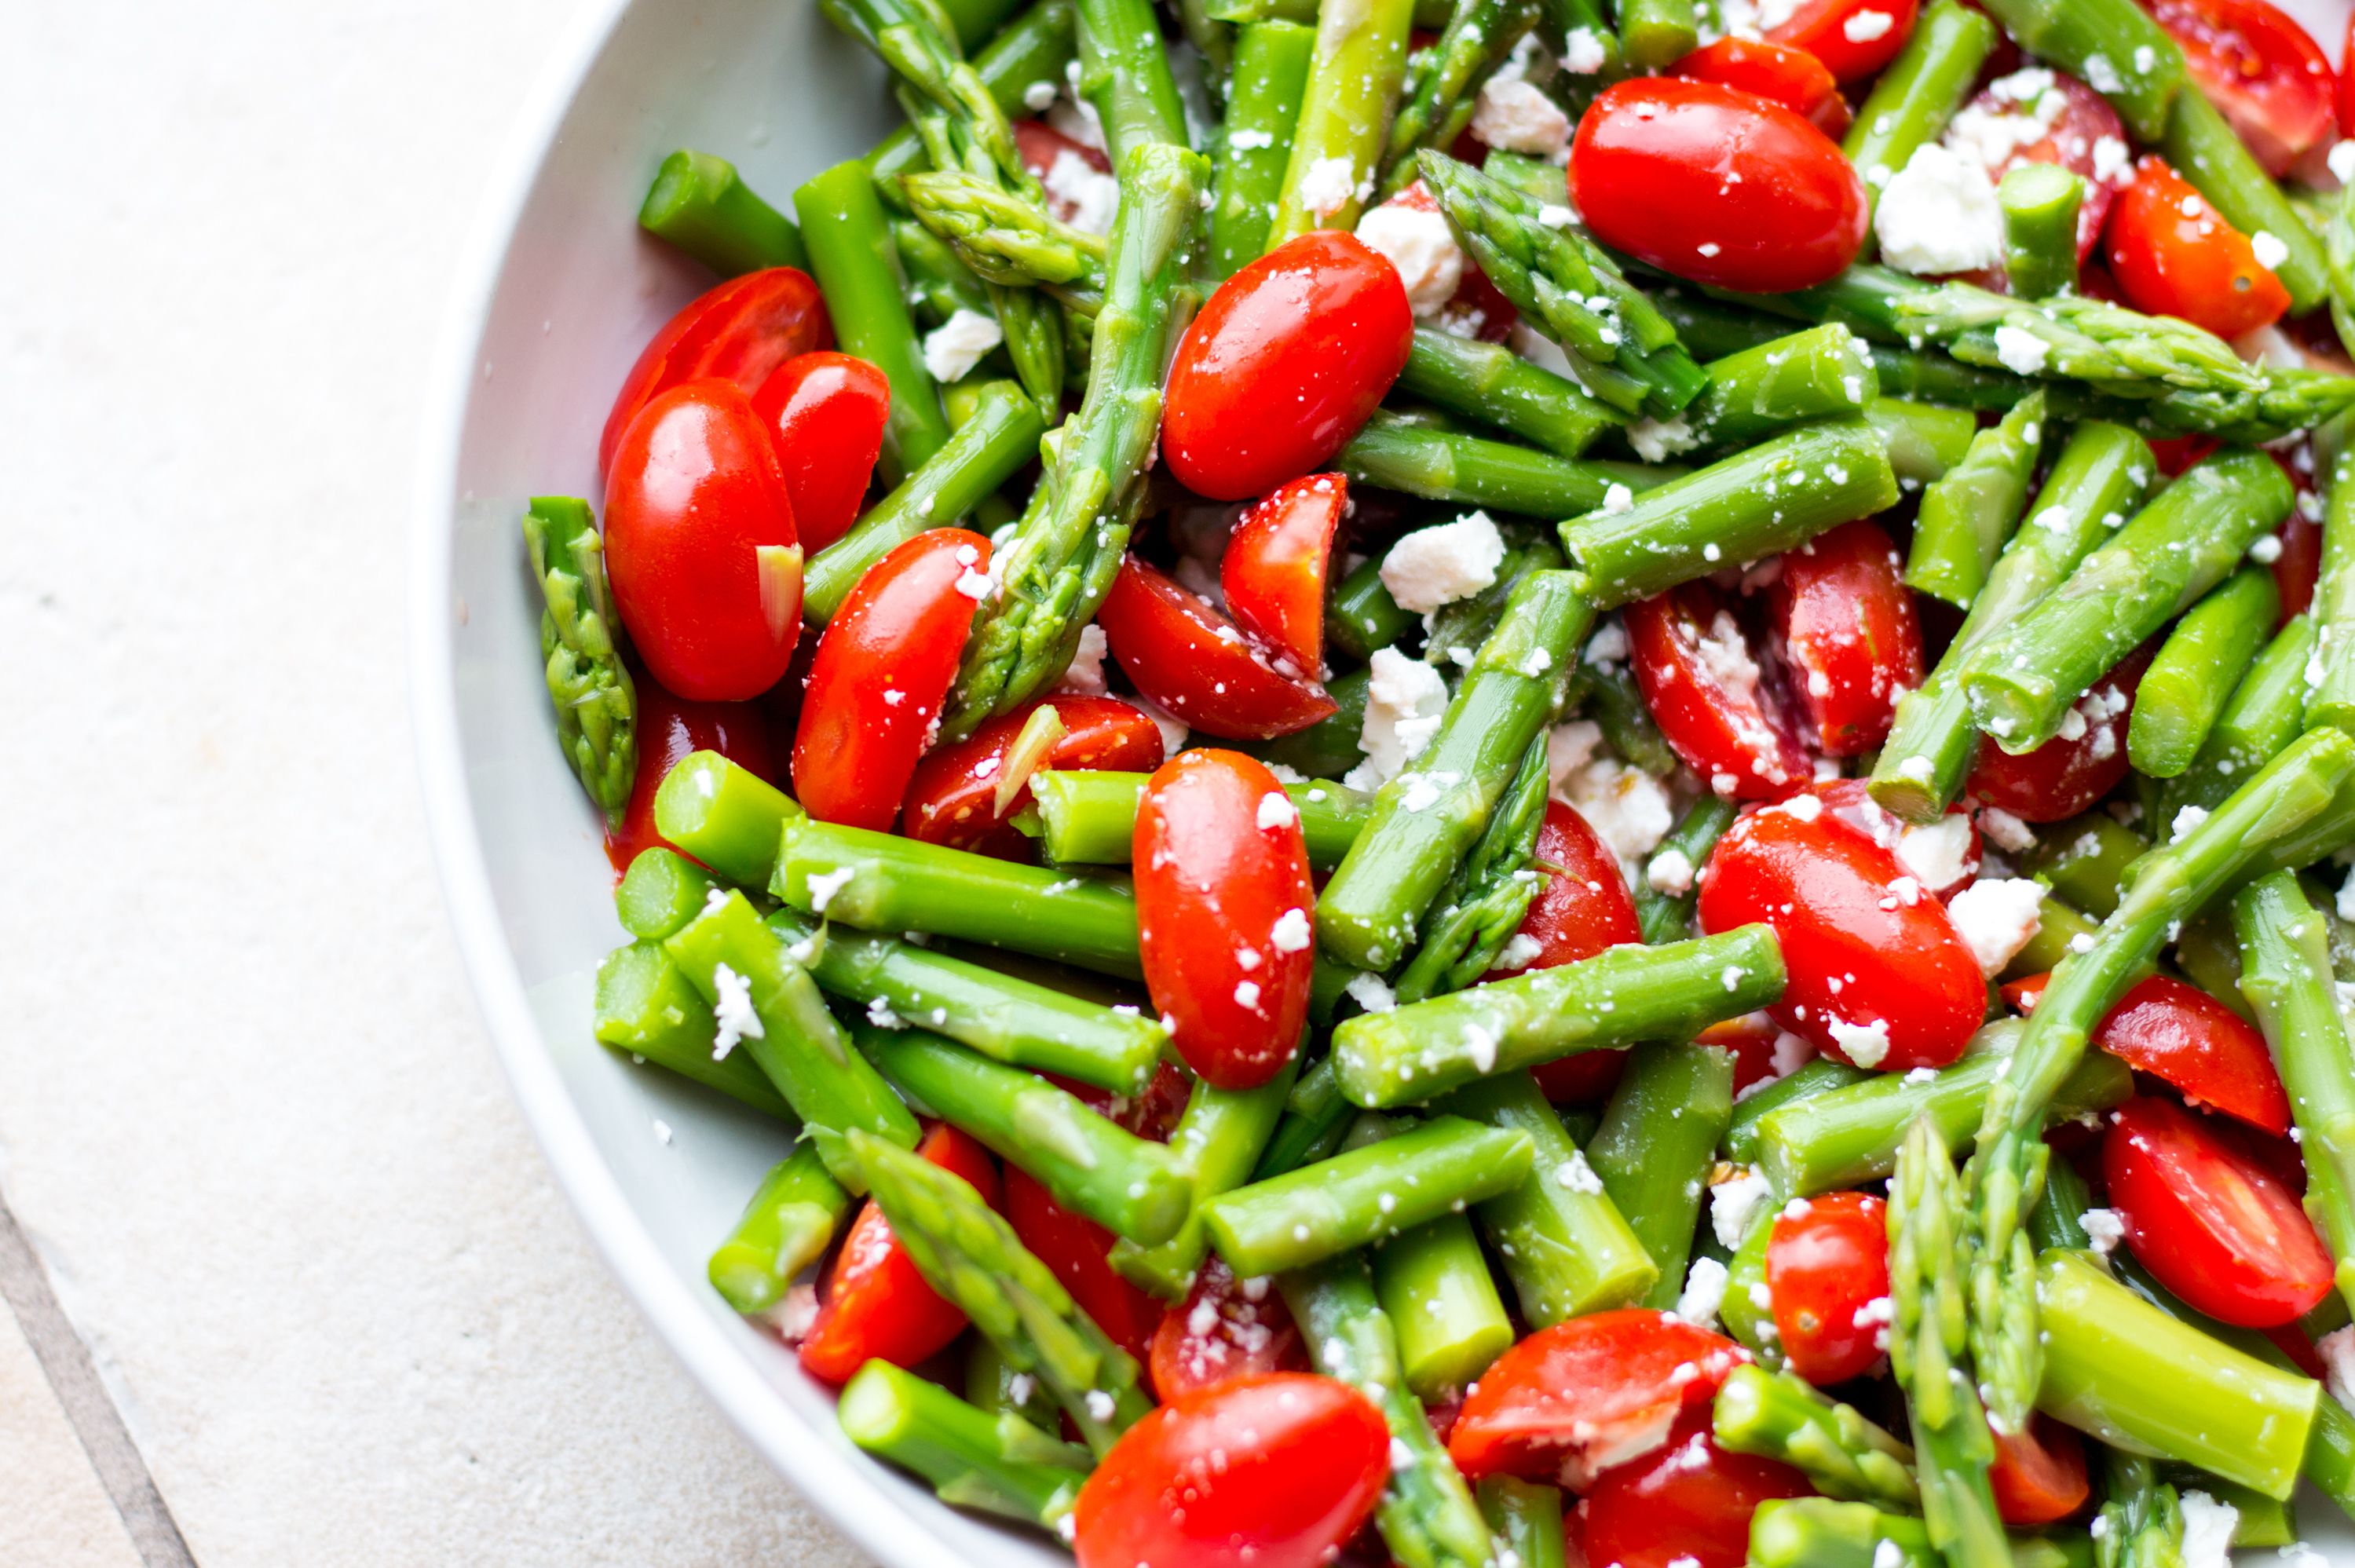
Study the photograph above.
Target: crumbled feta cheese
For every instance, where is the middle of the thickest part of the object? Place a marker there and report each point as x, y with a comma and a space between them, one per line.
952, 348
1608, 647
1670, 872
1996, 917
732, 1006
1520, 953
1704, 1293
1734, 1203
1085, 674
2208, 1527
824, 885
2102, 76
1371, 992
1100, 1405
1568, 748
1276, 810
1887, 1553
1937, 852
1290, 933
1247, 994
2266, 550
1863, 26
1419, 243
2021, 351
2345, 903
1617, 499
1656, 440
1406, 701
794, 1314
2189, 818
1327, 185
2008, 831
2112, 160
1250, 141
1867, 1045
2337, 1352
2341, 159
1574, 1175
1627, 807
2268, 249
2104, 1227
1583, 53
1939, 214
1038, 97
1517, 117
1436, 565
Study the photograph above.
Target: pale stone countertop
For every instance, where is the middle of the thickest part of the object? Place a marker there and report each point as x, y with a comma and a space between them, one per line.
246, 1110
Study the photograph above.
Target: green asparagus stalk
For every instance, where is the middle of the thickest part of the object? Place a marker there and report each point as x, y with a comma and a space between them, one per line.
661, 891
1527, 1520
1744, 1136
1924, 439
1329, 748
1000, 1464
1218, 1141
2186, 685
1821, 1532
1003, 236
1747, 1309
1778, 1415
939, 285
699, 204
1664, 897
1393, 454
1429, 15
1443, 81
1355, 77
1124, 74
1263, 98
2264, 714
1823, 372
645, 1008
2331, 700
2039, 203
2139, 1521
1655, 34
1483, 902
1910, 105
1361, 617
786, 1227
580, 642
1032, 51
997, 1389
2112, 44
2084, 861
1433, 1282
1969, 516
1489, 382
1655, 1148
1609, 695
1088, 816
2209, 154
724, 814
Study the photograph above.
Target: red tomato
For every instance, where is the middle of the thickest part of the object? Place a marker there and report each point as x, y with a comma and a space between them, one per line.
1268, 1472
1224, 1330
1283, 365
1716, 184
1223, 922
2083, 123
2299, 567
876, 1304
1852, 803
2039, 1475
2173, 254
1080, 1252
1182, 654
701, 547
1751, 1037
2268, 77
826, 412
2175, 453
1040, 145
953, 796
1827, 1268
1843, 623
1273, 571
2179, 1034
1693, 665
1689, 1502
737, 332
2346, 79
1790, 77
1576, 1398
883, 667
1854, 39
1583, 907
1877, 979
668, 729
2069, 773
2207, 1217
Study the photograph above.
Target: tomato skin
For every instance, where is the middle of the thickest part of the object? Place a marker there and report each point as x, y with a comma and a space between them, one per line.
1182, 654
668, 729
1825, 1268
2084, 122
1248, 1335
876, 1303
1692, 663
1843, 623
2268, 78
1275, 1471
1080, 1252
2065, 777
1790, 77
1688, 1502
2298, 568
737, 332
1039, 145
1223, 902
1652, 169
2039, 1475
2173, 254
826, 412
1583, 907
1851, 801
2207, 1217
693, 494
2203, 1049
952, 795
1821, 27
1822, 886
1283, 365
1273, 571
901, 629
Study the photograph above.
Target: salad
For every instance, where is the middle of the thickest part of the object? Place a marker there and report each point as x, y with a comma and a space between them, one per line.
1485, 782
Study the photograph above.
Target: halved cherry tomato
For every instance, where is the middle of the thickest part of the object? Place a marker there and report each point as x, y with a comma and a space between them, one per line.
1688, 1502
2175, 255
1581, 907
1843, 623
2075, 138
1854, 39
2039, 1475
1570, 1401
2207, 1217
1790, 77
1693, 665
1273, 571
883, 668
2203, 1049
952, 795
1827, 1268
1224, 1330
1080, 1252
668, 729
737, 332
1268, 1472
876, 1304
2077, 767
2299, 567
2265, 72
2175, 453
1752, 1038
1944, 855
1283, 365
1879, 976
700, 544
1184, 655
825, 411
1039, 145
1222, 922
1716, 184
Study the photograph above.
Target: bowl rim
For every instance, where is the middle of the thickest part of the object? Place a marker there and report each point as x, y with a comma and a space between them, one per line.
842, 1487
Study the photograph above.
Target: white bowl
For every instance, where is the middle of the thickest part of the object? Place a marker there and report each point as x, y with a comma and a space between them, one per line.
561, 293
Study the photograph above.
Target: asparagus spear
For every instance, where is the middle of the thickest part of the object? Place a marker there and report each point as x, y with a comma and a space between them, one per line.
1779, 1416
596, 705
1924, 439
724, 814
1527, 1520
1434, 1283
2331, 700
1218, 1141
647, 1008
1355, 76
1032, 50
1747, 1309
1429, 15
2185, 689
2260, 717
2039, 205
999, 1463
1745, 1135
1910, 104
1489, 382
1483, 902
1395, 454
1263, 98
1655, 1148
1969, 514
699, 204
2205, 149
1655, 34
1006, 237
661, 891
1124, 74
1443, 81
2139, 1522
1823, 372
2084, 861
1088, 816
1666, 914
786, 1227
2112, 44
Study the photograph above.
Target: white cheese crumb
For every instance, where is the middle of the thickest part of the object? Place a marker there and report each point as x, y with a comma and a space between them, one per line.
1290, 933
1670, 872
1888, 1554
1085, 674
1937, 852
1520, 118
2271, 253
2008, 831
2187, 819
1406, 701
2337, 1352
732, 1006
1656, 440
2346, 904
1867, 1045
1583, 53
2022, 352
1734, 1203
1628, 808
1089, 196
1038, 97
2104, 1227
2208, 1527
952, 348
1250, 141
1327, 185
1276, 810
1419, 243
1939, 214
1100, 1405
1618, 499
1996, 916
1866, 25
1520, 953
1371, 992
1247, 994
1703, 1295
2266, 550
824, 885
1574, 1175
1436, 565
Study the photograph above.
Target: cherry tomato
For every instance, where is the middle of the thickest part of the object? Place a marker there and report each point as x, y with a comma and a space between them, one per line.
1039, 145
1827, 1268
1754, 1038
1879, 976
2207, 1217
2299, 567
2077, 767
1223, 902
2179, 1034
1843, 623
1716, 184
1268, 1472
1790, 77
1273, 571
2175, 255
883, 668
2175, 453
1224, 1330
826, 412
1943, 855
876, 1304
1854, 39
953, 796
1570, 1401
700, 544
2039, 1475
2346, 79
1283, 365
2269, 78
1181, 653
1080, 1252
1693, 665
737, 332
2081, 123
1583, 907
668, 729
1688, 1502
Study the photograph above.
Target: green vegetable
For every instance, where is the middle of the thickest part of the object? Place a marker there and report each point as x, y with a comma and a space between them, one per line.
699, 204
2084, 861
1218, 1141
1527, 1519
2140, 1522
2206, 151
1779, 1415
1255, 147
596, 705
1668, 916
1355, 77
2186, 686
1489, 382
645, 1008
2264, 714
2112, 45
1443, 81
1818, 1076
1124, 75
724, 814
661, 891
1912, 101
1968, 513
1823, 372
1655, 1148
856, 263
785, 1228
1088, 816
2041, 202
1655, 34
1434, 1283
1482, 905
1035, 47
1395, 454
2331, 701
999, 1463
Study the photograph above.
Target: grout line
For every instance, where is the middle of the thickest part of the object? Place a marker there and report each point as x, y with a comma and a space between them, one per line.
73, 1377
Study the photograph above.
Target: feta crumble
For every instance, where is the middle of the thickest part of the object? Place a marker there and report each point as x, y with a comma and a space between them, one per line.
1734, 1203
2104, 1227
952, 348
1939, 214
732, 1006
1867, 1045
1517, 117
1703, 1295
1327, 185
1085, 674
1419, 243
2208, 1527
1436, 565
1996, 916
1406, 701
